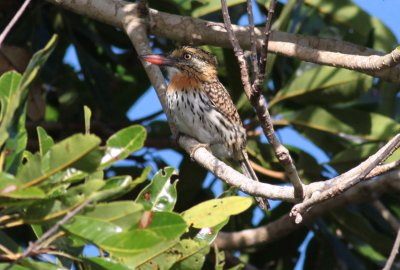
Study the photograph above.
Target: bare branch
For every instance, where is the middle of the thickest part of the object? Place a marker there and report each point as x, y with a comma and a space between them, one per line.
134, 22
393, 253
260, 105
343, 182
260, 79
365, 191
253, 39
387, 215
188, 30
233, 177
13, 21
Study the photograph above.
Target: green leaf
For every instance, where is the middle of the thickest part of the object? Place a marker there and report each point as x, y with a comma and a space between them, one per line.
159, 255
209, 234
34, 265
45, 141
160, 194
4, 266
119, 185
324, 85
363, 26
60, 156
212, 6
92, 229
216, 211
193, 254
26, 193
123, 143
12, 121
125, 214
14, 111
369, 126
88, 115
167, 225
106, 263
163, 227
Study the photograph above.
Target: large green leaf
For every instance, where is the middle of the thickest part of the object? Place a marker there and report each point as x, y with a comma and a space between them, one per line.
12, 128
163, 226
324, 85
14, 106
160, 194
346, 13
125, 214
193, 254
123, 143
106, 264
213, 212
369, 126
67, 153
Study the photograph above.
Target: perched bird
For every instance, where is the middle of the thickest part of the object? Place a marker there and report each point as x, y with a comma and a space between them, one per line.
201, 107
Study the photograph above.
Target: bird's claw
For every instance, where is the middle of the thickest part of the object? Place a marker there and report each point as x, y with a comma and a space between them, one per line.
193, 151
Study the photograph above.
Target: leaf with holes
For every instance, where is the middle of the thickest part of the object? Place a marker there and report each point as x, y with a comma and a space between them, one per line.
160, 194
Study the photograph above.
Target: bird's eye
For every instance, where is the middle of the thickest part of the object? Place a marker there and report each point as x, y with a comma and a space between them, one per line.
187, 56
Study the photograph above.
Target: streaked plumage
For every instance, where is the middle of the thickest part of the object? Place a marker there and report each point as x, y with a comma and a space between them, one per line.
201, 107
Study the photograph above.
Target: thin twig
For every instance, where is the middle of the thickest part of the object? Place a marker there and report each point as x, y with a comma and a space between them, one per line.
13, 21
267, 172
33, 247
253, 39
259, 103
387, 215
380, 169
260, 79
393, 253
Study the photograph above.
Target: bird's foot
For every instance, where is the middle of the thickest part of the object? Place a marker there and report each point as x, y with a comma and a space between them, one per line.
200, 145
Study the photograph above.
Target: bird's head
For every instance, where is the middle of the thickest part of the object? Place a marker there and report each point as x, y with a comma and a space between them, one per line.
189, 61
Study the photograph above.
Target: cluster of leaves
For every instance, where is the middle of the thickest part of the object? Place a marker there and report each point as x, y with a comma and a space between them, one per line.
346, 114
38, 189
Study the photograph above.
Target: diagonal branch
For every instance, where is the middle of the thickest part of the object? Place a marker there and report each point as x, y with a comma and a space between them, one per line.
275, 230
259, 103
393, 253
345, 181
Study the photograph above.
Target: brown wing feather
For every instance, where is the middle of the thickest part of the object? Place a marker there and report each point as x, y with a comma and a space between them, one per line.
222, 101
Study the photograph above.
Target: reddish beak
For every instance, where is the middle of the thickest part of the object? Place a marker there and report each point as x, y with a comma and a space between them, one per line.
157, 59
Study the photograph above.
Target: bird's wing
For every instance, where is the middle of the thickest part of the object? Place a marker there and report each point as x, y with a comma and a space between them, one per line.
222, 101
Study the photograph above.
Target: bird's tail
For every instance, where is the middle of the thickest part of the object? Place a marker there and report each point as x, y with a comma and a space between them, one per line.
249, 172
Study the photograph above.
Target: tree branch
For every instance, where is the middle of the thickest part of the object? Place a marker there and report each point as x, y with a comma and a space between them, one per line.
120, 13
259, 103
393, 253
365, 191
322, 51
343, 182
13, 21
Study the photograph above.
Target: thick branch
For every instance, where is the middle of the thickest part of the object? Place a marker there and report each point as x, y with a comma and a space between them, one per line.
196, 32
365, 191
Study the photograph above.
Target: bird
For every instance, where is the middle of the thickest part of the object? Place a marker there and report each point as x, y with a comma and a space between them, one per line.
202, 108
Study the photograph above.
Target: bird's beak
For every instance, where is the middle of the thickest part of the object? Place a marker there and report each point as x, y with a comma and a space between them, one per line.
158, 59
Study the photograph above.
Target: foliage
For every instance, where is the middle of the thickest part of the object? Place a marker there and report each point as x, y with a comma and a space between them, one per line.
39, 188
48, 168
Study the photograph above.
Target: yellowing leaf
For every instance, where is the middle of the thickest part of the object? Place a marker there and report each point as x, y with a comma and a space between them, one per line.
213, 212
